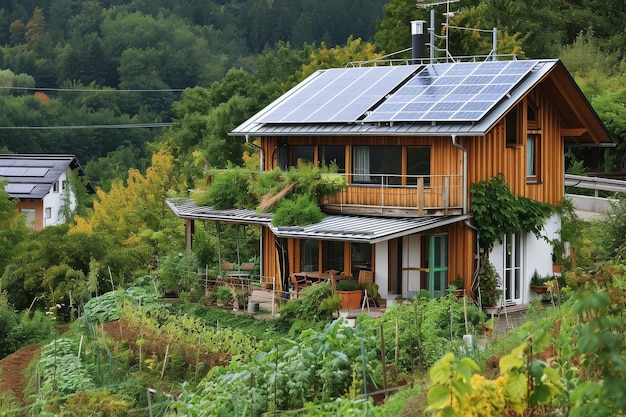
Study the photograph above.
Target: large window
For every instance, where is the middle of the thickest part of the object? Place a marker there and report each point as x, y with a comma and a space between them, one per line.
326, 155
309, 255
377, 164
532, 157
304, 153
418, 164
332, 256
333, 154
361, 254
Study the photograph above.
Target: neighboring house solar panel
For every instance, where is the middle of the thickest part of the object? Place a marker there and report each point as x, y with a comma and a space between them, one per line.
337, 95
459, 92
19, 188
22, 172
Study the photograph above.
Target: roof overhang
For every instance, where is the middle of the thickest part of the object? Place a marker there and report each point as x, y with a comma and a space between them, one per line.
186, 208
363, 229
360, 229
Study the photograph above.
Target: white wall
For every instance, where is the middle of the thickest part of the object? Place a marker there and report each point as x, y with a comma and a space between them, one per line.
54, 201
537, 255
381, 272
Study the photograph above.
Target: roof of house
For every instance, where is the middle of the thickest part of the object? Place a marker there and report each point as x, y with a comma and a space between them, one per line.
30, 176
439, 99
362, 229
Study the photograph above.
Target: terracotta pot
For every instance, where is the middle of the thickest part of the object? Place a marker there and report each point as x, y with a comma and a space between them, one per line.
350, 299
557, 268
539, 289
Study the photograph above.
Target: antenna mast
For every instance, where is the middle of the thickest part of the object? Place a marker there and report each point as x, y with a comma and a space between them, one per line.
425, 4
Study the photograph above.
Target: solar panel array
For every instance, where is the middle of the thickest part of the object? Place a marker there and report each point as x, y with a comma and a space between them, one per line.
452, 92
457, 92
337, 95
19, 188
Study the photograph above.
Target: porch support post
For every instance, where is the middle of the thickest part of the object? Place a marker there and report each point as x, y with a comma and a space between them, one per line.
190, 229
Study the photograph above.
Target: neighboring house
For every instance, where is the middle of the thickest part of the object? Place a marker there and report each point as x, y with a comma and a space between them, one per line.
40, 183
410, 140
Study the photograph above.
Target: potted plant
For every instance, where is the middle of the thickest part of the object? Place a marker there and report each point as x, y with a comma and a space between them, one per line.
350, 293
489, 285
223, 295
538, 283
456, 287
558, 248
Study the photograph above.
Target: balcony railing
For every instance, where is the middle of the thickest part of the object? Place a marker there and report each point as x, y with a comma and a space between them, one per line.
408, 195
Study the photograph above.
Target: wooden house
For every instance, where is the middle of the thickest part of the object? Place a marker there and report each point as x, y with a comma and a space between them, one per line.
41, 184
410, 140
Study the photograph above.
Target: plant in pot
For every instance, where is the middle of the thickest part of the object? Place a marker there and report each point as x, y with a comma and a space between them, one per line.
350, 293
456, 287
222, 295
489, 284
558, 248
538, 283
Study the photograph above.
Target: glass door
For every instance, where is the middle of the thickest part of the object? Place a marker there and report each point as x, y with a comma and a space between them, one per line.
437, 280
512, 282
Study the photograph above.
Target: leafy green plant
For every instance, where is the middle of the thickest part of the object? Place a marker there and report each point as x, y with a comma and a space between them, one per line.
489, 283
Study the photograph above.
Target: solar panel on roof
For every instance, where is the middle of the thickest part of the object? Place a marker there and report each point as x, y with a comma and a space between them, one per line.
337, 95
19, 188
460, 92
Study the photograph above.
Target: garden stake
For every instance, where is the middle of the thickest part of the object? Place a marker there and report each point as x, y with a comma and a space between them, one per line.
396, 358
167, 351
382, 354
363, 364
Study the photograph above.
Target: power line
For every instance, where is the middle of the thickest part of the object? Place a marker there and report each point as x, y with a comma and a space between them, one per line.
95, 90
115, 126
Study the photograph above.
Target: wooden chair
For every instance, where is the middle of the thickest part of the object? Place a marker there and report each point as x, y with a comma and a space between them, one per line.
299, 282
364, 277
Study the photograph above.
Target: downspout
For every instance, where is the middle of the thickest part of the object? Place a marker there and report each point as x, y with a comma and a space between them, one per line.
464, 191
475, 283
261, 168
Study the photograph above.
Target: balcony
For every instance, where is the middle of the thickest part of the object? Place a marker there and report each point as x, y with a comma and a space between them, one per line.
397, 195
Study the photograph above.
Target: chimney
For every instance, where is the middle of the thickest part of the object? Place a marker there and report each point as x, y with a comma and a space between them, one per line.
419, 41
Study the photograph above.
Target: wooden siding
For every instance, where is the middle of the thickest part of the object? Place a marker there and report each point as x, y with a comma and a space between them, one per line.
490, 156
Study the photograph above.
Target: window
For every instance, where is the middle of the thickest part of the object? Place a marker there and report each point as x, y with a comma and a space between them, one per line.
418, 164
361, 257
532, 158
511, 129
30, 216
48, 213
304, 153
55, 187
377, 164
332, 256
63, 185
333, 154
309, 255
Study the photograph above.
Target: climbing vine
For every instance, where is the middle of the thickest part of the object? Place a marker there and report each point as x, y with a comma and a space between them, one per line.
497, 212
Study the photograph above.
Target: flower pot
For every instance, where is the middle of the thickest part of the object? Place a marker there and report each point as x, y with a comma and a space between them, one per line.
557, 268
458, 293
539, 289
350, 299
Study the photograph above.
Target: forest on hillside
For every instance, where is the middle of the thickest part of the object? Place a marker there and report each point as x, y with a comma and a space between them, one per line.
104, 79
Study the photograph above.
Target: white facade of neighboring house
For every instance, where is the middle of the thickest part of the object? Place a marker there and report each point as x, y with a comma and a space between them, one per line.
41, 184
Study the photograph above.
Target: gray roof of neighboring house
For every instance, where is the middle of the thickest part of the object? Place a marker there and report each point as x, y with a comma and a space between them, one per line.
361, 101
31, 176
332, 227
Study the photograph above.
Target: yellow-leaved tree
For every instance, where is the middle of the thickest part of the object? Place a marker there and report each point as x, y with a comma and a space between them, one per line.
135, 212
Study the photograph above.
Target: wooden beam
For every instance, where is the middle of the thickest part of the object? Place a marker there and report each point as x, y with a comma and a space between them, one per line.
574, 132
